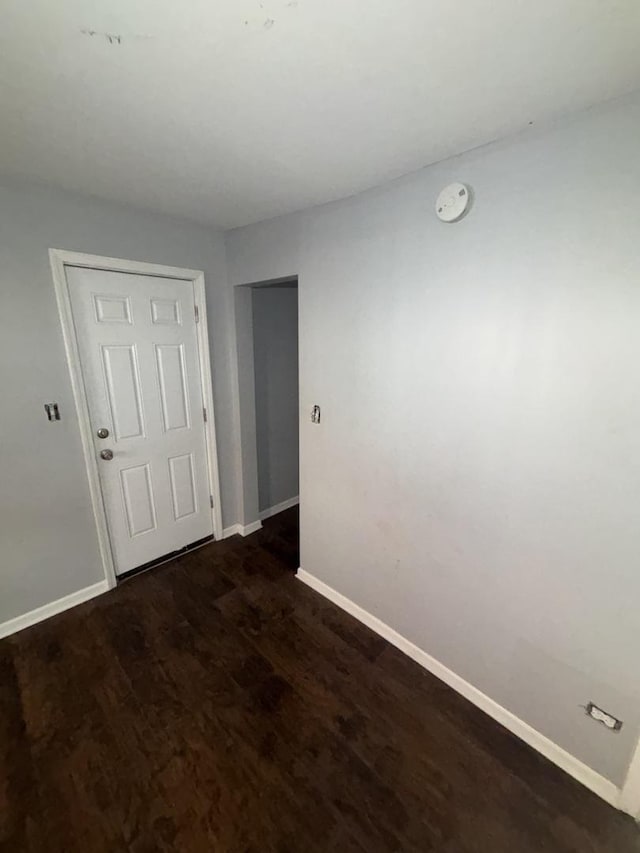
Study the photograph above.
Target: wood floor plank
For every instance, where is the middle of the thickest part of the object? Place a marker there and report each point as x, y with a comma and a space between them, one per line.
541, 780
223, 719
291, 739
404, 750
19, 798
217, 704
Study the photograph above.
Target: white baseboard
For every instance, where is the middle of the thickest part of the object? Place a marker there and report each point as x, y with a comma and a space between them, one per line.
274, 510
241, 529
248, 529
630, 794
570, 764
47, 610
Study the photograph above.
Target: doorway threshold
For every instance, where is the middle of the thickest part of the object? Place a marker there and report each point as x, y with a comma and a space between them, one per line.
166, 558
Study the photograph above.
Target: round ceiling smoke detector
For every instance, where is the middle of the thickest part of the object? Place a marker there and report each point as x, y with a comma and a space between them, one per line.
452, 202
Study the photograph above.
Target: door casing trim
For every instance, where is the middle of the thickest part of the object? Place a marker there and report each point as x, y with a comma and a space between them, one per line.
59, 259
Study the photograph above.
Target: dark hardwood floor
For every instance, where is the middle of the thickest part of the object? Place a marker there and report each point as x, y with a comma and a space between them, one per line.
217, 704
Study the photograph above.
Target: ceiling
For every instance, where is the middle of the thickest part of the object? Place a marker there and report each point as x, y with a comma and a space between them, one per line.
232, 111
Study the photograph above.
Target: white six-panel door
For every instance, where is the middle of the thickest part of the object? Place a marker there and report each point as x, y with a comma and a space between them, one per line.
138, 349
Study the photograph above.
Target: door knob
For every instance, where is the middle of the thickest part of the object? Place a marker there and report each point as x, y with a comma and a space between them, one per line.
103, 432
107, 455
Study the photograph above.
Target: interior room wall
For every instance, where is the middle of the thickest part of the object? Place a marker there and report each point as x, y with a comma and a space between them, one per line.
47, 530
275, 351
474, 482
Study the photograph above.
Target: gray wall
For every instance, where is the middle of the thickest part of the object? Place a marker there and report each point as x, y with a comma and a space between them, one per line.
475, 482
275, 351
47, 531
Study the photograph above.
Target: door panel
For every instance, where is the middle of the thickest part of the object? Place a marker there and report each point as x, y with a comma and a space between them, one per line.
165, 312
123, 389
138, 499
173, 386
139, 359
182, 486
112, 309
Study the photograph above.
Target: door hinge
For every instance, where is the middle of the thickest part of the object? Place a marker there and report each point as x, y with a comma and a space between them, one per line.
197, 313
204, 413
211, 500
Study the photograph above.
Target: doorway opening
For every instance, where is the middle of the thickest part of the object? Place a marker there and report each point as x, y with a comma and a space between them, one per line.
267, 338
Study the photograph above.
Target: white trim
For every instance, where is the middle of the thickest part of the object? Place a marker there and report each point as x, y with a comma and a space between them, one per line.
570, 764
202, 333
276, 508
241, 529
630, 794
60, 258
53, 607
248, 529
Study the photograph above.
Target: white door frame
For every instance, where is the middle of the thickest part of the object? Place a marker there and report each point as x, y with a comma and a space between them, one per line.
60, 258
